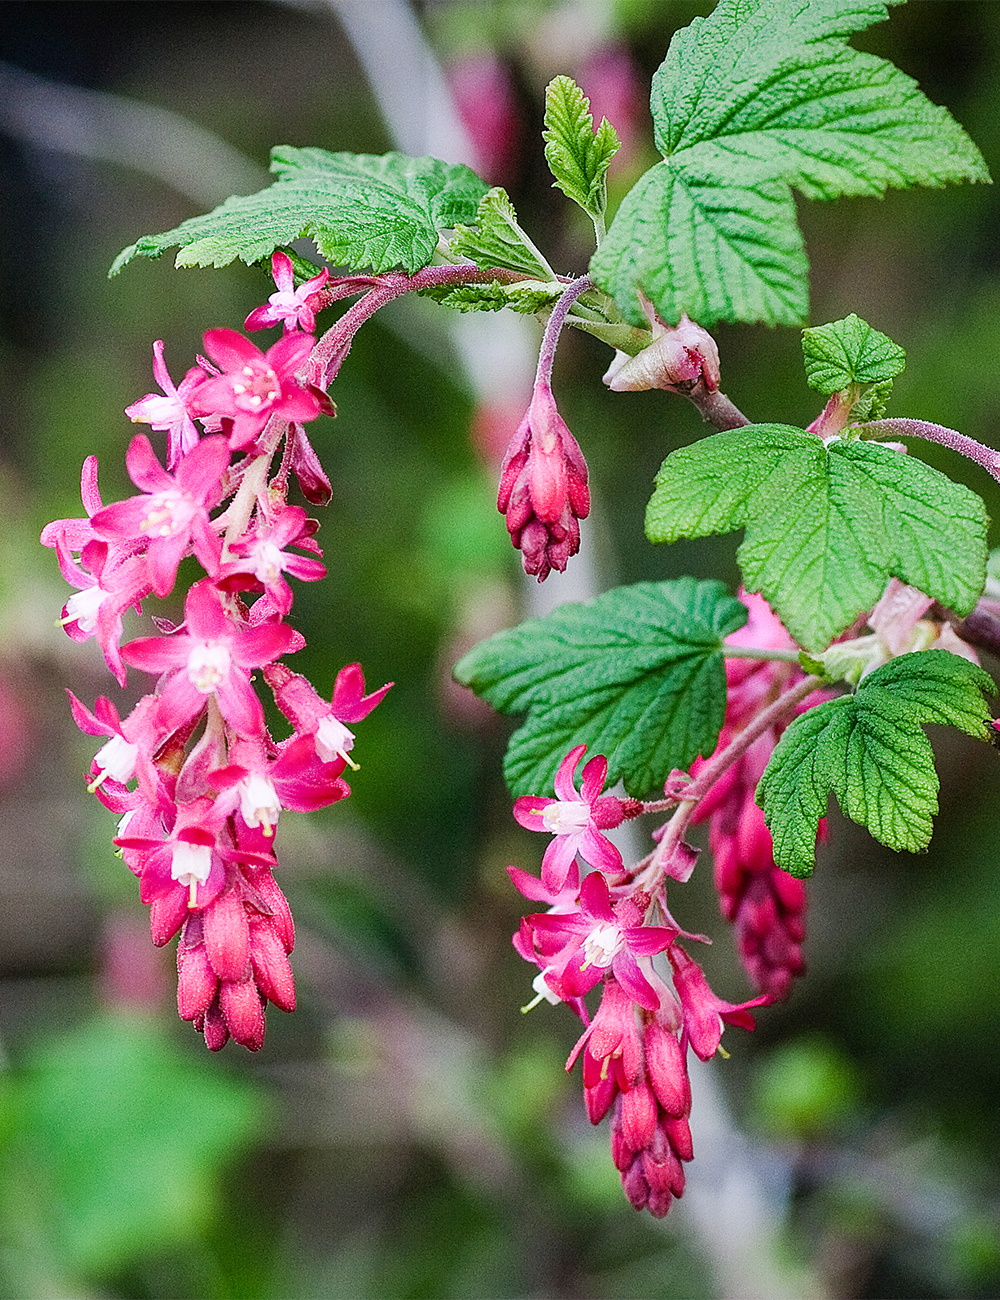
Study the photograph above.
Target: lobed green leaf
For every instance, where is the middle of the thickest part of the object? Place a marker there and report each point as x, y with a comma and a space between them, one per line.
869, 750
363, 211
498, 240
760, 98
848, 352
827, 524
577, 155
637, 675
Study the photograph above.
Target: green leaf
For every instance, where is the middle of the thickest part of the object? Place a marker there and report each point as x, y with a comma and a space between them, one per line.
848, 352
868, 749
498, 240
577, 155
363, 211
827, 524
637, 675
760, 98
527, 296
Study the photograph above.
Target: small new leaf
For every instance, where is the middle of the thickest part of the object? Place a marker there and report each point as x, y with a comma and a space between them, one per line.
827, 524
498, 240
526, 297
577, 155
363, 211
761, 98
849, 352
637, 675
869, 750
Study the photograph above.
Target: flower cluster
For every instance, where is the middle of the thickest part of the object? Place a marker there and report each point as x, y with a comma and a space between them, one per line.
193, 772
605, 930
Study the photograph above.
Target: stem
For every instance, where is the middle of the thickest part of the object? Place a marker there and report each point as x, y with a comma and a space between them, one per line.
252, 485
950, 438
547, 353
693, 794
329, 353
716, 408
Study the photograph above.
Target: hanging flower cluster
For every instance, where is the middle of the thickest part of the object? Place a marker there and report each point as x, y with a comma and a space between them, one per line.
193, 772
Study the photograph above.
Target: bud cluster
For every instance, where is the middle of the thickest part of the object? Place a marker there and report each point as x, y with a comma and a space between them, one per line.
193, 771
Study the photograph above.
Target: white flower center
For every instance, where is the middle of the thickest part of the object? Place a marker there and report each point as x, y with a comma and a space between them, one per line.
540, 986
117, 759
267, 562
603, 943
334, 740
167, 513
259, 802
84, 606
190, 865
208, 665
566, 818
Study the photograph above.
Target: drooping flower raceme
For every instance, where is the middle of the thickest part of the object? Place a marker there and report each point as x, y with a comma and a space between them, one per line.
193, 772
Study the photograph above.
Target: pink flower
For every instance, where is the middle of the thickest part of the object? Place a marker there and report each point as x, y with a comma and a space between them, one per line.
129, 752
211, 658
255, 385
261, 560
677, 358
109, 583
310, 714
172, 512
171, 412
543, 487
580, 948
704, 1013
295, 308
575, 818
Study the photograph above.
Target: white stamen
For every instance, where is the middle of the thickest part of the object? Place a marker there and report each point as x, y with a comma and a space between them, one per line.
208, 665
259, 802
603, 943
565, 817
84, 606
334, 740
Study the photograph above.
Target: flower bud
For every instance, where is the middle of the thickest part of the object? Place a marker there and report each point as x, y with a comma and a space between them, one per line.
678, 357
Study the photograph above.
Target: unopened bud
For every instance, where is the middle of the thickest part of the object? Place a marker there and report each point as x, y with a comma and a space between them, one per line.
678, 357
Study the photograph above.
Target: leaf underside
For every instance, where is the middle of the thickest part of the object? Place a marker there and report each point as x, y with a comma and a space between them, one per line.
761, 98
364, 211
827, 524
870, 751
636, 675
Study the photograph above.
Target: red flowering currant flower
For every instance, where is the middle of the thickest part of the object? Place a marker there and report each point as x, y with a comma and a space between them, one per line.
575, 818
109, 583
212, 657
171, 515
294, 308
171, 412
310, 714
704, 1013
261, 558
255, 385
581, 948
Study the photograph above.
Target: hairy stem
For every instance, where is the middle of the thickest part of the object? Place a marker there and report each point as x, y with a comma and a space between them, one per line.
950, 438
693, 793
547, 352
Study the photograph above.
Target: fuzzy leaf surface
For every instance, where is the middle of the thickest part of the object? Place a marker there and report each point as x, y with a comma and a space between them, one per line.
869, 750
848, 352
637, 675
364, 211
577, 155
498, 240
827, 524
526, 296
760, 98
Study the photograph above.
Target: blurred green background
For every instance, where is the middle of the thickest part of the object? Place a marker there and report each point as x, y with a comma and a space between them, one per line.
407, 1133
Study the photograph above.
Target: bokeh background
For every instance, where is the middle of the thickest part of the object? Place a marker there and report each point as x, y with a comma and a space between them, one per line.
407, 1133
